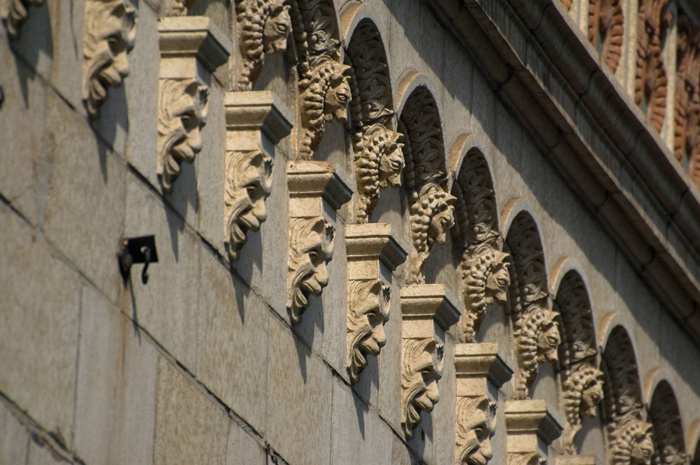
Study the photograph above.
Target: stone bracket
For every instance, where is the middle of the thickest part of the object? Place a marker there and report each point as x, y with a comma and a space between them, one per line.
526, 421
368, 244
311, 182
421, 304
186, 39
475, 364
249, 115
575, 460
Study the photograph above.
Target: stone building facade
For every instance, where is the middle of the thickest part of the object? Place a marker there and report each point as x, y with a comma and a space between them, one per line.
383, 232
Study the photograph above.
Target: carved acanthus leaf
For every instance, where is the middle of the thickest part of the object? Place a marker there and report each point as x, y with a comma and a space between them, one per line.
263, 28
476, 424
109, 35
421, 368
182, 112
15, 13
368, 310
606, 29
687, 106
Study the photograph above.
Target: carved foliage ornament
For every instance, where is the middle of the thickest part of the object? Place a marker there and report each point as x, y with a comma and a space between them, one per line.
368, 311
182, 112
109, 35
248, 184
311, 248
432, 215
476, 424
314, 26
486, 279
422, 362
687, 107
263, 28
378, 164
651, 82
14, 13
606, 29
669, 444
583, 390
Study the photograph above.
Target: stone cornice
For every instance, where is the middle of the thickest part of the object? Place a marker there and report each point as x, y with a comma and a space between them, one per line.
547, 73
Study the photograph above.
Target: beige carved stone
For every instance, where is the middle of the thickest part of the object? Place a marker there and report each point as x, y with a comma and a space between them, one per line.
421, 361
263, 28
485, 278
178, 7
476, 365
378, 164
14, 13
582, 391
182, 103
527, 423
537, 342
606, 27
368, 245
310, 237
252, 120
432, 215
109, 35
631, 441
476, 424
576, 460
651, 82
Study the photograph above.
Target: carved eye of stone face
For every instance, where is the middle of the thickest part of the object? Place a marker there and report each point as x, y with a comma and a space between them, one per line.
276, 31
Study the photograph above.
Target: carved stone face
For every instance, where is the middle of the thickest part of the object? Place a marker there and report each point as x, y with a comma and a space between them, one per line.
249, 181
497, 284
277, 28
548, 339
428, 396
374, 313
391, 165
109, 35
475, 429
442, 221
592, 394
311, 248
368, 310
642, 448
337, 99
181, 115
421, 370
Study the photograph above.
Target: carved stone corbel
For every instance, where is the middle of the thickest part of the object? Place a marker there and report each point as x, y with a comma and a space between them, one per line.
186, 42
537, 340
422, 356
310, 236
366, 246
575, 460
582, 391
263, 28
14, 13
255, 122
109, 35
475, 365
527, 423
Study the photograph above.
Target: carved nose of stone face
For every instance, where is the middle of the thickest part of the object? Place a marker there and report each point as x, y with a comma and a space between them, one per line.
260, 210
121, 64
486, 449
195, 140
379, 336
321, 275
432, 393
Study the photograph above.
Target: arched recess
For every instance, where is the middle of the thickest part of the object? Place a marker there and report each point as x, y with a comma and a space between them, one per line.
378, 157
483, 265
627, 432
606, 27
686, 145
323, 86
693, 441
535, 328
651, 82
581, 379
425, 174
665, 416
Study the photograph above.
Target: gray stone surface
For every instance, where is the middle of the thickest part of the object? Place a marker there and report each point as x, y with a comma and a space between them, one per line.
242, 448
14, 443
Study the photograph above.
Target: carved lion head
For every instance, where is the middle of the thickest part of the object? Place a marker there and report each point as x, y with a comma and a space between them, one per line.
367, 313
277, 28
476, 418
421, 370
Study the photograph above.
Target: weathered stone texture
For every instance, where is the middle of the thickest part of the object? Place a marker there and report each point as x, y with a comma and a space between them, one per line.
14, 444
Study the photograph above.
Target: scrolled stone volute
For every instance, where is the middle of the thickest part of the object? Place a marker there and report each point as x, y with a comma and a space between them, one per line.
109, 35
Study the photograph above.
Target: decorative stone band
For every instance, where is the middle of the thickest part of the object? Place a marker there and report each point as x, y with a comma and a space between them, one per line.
475, 365
367, 245
185, 44
526, 422
311, 238
255, 122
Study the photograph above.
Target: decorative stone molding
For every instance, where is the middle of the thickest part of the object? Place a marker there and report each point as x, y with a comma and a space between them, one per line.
366, 246
432, 215
263, 28
651, 83
14, 13
310, 236
686, 141
109, 36
252, 119
582, 386
421, 362
528, 421
379, 163
182, 104
475, 365
606, 23
485, 278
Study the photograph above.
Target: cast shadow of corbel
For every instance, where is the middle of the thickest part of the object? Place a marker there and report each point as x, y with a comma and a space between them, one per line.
184, 194
361, 410
176, 225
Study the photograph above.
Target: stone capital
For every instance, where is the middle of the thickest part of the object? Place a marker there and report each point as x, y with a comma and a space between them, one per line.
475, 364
186, 39
311, 182
424, 304
526, 421
369, 244
251, 114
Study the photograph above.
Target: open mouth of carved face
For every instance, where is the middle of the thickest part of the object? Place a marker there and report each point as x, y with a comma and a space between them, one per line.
311, 286
369, 345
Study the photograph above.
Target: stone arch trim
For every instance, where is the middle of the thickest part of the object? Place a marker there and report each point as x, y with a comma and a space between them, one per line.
664, 415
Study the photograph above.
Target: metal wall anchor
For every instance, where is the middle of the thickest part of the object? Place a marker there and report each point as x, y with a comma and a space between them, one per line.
137, 250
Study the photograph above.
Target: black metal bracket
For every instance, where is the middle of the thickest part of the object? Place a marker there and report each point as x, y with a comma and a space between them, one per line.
137, 250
